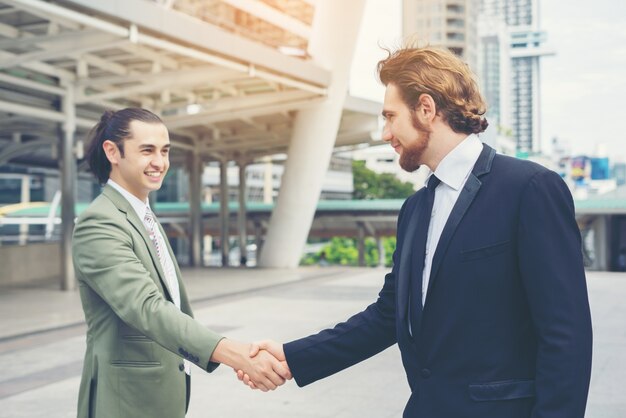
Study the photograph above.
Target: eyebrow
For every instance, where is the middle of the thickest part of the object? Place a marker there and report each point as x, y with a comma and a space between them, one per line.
152, 146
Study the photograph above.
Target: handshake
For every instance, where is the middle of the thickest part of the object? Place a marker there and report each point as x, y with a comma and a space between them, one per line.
261, 365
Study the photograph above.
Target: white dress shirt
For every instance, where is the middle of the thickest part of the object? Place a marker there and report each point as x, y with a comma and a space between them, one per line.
453, 171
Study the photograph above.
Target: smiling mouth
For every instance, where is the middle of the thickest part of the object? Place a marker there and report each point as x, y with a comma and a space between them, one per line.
153, 174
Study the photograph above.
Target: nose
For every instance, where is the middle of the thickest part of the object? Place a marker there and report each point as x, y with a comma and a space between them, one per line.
387, 136
158, 160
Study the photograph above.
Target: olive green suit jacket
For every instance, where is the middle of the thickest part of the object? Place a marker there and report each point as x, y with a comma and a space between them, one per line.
136, 336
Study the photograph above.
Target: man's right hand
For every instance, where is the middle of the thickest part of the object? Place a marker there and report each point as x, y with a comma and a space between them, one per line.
260, 348
263, 370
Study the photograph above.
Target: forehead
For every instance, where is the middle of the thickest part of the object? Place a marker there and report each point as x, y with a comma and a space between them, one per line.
150, 133
393, 99
393, 104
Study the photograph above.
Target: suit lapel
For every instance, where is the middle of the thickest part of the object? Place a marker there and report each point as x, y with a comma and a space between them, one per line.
469, 192
405, 270
124, 206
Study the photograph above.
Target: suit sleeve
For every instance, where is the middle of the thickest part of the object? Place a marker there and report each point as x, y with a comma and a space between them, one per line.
550, 257
106, 262
360, 337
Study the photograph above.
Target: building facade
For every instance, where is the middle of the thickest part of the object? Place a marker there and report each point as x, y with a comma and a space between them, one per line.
448, 23
512, 44
263, 181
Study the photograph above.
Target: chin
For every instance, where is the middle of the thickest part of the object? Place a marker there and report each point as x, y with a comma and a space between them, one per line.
154, 187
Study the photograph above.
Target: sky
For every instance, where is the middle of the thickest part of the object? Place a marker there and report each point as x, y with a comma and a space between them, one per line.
583, 85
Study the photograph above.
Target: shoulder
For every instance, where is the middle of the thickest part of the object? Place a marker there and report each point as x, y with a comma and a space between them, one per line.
532, 182
522, 173
505, 164
100, 211
100, 223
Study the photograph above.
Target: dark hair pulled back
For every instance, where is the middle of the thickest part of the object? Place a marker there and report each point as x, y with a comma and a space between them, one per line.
113, 126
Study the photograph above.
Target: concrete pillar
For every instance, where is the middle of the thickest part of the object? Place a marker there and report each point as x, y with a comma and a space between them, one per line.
24, 198
268, 182
360, 243
601, 243
68, 189
224, 244
241, 218
196, 230
332, 44
381, 252
258, 238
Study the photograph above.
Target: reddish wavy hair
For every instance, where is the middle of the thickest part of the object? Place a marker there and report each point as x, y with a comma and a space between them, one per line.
442, 75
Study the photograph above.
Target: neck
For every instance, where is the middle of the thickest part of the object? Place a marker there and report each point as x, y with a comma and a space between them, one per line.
120, 182
442, 142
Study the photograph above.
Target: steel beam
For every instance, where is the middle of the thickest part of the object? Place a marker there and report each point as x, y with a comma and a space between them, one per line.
224, 215
242, 221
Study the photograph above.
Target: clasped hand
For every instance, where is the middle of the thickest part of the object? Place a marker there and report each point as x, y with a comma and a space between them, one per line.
260, 350
259, 369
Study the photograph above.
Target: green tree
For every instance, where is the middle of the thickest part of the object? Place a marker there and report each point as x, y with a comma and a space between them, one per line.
371, 185
344, 252
389, 244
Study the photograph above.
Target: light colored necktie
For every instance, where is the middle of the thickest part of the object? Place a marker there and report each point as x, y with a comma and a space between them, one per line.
166, 263
164, 259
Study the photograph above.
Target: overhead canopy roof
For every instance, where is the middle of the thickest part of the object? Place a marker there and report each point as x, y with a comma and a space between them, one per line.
222, 95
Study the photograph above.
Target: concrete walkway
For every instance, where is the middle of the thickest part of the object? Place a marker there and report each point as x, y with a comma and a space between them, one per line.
42, 345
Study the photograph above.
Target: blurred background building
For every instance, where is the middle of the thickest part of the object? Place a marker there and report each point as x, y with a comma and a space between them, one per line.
449, 23
267, 103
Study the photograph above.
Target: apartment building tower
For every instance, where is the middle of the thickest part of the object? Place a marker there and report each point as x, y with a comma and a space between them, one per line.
511, 45
448, 23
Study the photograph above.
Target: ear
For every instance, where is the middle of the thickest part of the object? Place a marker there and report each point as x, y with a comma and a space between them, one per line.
426, 107
111, 151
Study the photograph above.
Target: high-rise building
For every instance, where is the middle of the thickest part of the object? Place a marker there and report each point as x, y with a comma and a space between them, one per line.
511, 45
448, 23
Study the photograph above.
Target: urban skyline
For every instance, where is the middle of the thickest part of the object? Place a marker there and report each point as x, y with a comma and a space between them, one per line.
587, 68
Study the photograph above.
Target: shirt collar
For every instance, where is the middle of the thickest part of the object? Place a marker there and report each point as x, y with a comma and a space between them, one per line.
140, 207
456, 166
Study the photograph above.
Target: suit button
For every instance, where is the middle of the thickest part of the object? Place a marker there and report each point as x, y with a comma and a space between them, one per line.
181, 367
425, 373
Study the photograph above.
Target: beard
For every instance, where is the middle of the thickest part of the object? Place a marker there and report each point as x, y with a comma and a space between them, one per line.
411, 157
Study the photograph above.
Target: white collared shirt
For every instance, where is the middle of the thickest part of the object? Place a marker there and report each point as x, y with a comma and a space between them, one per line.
453, 171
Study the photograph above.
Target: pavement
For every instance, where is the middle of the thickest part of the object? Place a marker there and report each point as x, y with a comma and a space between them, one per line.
42, 342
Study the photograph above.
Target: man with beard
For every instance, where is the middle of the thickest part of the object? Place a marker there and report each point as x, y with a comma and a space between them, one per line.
487, 298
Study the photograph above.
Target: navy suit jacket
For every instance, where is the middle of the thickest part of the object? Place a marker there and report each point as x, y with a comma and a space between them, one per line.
505, 331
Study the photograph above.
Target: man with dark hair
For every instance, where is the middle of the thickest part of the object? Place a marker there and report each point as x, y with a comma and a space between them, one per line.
141, 335
487, 298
